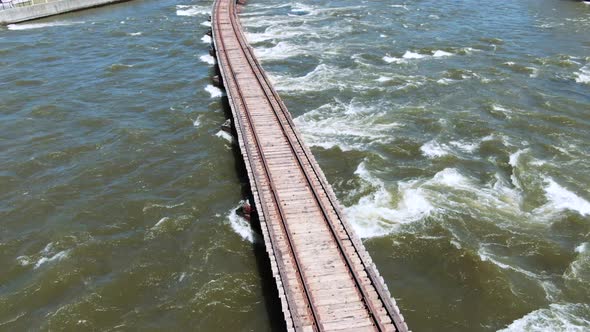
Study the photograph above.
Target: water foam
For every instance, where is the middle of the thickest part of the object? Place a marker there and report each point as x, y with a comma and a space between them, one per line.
49, 256
321, 78
349, 126
579, 270
160, 222
225, 135
565, 317
282, 50
214, 91
374, 215
240, 225
208, 59
197, 121
513, 161
192, 10
28, 26
409, 55
206, 39
464, 146
433, 149
439, 53
583, 76
559, 199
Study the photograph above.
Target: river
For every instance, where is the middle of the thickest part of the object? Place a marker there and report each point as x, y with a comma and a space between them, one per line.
456, 134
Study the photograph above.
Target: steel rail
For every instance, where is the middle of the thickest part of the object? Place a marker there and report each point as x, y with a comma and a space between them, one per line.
352, 271
271, 184
383, 294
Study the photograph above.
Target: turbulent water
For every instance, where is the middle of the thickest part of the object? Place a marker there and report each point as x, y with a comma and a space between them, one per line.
455, 133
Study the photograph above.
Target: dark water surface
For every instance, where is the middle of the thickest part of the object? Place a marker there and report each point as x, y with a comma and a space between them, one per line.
456, 133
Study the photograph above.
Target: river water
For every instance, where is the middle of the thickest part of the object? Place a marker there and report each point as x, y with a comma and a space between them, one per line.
455, 133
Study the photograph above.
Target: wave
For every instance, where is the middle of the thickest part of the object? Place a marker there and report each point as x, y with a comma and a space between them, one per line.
583, 76
214, 91
192, 10
208, 59
434, 149
325, 77
409, 55
28, 26
349, 126
225, 135
385, 208
578, 272
373, 215
49, 254
560, 199
240, 225
282, 50
566, 317
206, 39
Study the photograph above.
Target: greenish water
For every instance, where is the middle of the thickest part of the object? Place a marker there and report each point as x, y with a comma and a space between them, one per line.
456, 134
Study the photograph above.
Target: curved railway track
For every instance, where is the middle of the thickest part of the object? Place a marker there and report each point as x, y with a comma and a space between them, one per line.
324, 276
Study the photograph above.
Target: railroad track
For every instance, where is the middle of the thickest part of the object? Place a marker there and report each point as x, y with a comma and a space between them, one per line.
325, 278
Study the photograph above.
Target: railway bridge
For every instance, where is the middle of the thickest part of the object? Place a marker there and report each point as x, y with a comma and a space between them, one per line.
325, 278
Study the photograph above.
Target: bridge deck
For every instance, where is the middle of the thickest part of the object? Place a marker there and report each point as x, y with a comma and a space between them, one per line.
325, 278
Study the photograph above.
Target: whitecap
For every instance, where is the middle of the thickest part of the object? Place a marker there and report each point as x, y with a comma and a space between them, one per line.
206, 39
57, 257
412, 55
161, 222
206, 23
464, 146
513, 161
433, 149
513, 158
208, 59
27, 26
322, 77
135, 33
451, 177
214, 91
373, 215
502, 109
187, 10
166, 206
583, 76
446, 81
349, 126
24, 260
560, 198
282, 50
390, 59
565, 317
197, 121
240, 225
225, 135
439, 53
582, 248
